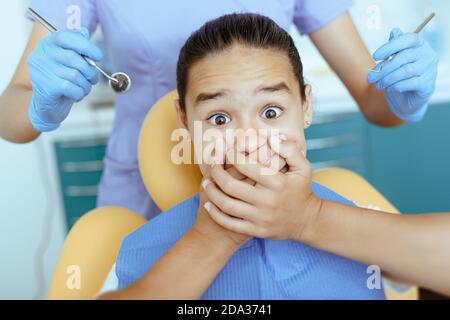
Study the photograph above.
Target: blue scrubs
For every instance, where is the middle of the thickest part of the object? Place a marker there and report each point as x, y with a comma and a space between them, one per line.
260, 269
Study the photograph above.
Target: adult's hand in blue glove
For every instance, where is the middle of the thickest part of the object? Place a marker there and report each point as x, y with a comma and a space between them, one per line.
60, 76
409, 79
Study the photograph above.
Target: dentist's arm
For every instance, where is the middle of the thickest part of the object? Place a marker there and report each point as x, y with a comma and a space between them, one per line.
50, 78
401, 91
15, 125
413, 248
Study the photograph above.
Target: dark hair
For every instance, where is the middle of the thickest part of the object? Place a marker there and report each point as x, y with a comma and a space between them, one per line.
219, 34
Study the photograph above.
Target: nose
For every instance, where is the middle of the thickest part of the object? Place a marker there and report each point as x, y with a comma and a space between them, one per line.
244, 135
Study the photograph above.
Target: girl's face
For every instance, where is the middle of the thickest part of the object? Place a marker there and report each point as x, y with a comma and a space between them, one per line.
245, 88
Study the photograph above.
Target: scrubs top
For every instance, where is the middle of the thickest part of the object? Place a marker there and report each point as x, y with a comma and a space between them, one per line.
260, 269
143, 39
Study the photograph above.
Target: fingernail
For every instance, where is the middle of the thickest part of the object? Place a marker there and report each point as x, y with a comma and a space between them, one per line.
205, 183
207, 206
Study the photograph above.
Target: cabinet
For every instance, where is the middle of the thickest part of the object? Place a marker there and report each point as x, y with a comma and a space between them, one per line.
80, 165
410, 164
338, 140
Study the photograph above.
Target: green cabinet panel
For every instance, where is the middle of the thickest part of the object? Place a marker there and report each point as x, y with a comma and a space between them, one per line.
338, 141
80, 165
410, 164
76, 207
325, 126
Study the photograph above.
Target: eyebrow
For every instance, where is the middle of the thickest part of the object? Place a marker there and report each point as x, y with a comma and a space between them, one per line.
282, 86
205, 96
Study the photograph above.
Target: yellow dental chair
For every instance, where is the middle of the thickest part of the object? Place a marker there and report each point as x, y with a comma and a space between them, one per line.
93, 243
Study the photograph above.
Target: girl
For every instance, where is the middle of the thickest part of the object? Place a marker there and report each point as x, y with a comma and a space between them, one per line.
240, 71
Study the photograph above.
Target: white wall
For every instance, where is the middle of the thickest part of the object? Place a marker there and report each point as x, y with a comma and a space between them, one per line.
31, 225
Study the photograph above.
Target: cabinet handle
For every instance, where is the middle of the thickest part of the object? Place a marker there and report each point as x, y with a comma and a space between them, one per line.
81, 191
84, 166
100, 142
330, 118
331, 142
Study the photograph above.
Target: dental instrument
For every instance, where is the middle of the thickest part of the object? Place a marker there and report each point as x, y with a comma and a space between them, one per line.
418, 29
119, 82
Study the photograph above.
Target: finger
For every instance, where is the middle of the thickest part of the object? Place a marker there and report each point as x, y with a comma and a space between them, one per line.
395, 33
71, 90
276, 162
239, 176
235, 174
249, 141
71, 59
402, 58
220, 148
413, 84
254, 170
263, 154
268, 158
273, 165
77, 41
235, 188
233, 224
75, 77
295, 157
224, 202
408, 71
400, 43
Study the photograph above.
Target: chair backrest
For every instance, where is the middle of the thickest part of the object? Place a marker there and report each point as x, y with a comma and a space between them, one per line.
89, 251
167, 182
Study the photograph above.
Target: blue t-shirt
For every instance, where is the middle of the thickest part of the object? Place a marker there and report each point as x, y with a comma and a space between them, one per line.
260, 269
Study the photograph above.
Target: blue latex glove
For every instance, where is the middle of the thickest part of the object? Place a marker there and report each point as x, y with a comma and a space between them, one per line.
60, 76
409, 79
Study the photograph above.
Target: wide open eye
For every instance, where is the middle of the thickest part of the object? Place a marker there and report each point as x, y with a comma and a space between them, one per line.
219, 119
272, 112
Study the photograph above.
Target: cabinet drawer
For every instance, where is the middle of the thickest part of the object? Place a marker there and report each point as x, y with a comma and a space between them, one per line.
338, 141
